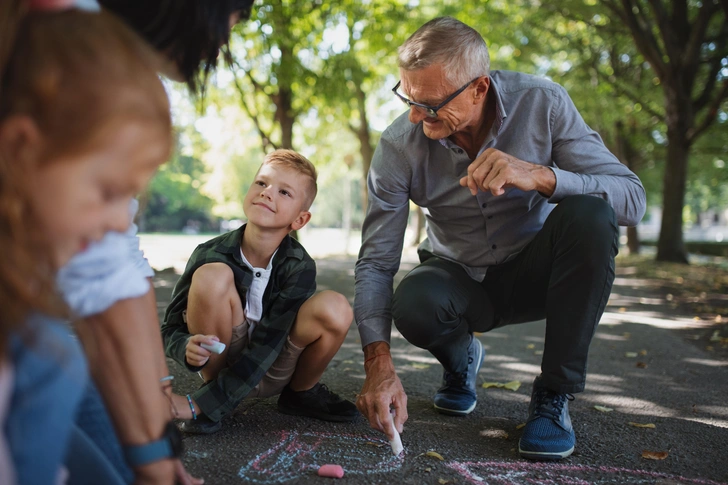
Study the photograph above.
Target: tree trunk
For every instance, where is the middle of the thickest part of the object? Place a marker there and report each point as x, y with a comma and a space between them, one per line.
624, 153
670, 245
365, 142
285, 116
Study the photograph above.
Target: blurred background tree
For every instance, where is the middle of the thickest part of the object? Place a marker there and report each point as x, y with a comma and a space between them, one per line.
651, 76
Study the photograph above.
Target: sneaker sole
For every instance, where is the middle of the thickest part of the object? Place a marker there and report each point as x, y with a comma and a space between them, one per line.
323, 417
455, 412
464, 412
543, 455
197, 429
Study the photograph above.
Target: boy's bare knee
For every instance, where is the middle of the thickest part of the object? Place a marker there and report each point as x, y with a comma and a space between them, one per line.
334, 310
213, 280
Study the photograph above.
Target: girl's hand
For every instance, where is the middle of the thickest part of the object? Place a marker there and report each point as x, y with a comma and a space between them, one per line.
194, 354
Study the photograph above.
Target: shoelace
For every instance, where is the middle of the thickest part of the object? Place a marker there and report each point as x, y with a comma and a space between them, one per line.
550, 404
458, 379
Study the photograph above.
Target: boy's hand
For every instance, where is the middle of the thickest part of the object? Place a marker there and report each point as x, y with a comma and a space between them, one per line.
194, 354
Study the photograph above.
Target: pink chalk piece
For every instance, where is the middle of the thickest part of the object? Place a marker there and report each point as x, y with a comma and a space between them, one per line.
333, 471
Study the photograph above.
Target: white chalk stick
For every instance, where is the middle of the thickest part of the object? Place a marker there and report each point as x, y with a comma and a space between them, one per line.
396, 443
216, 348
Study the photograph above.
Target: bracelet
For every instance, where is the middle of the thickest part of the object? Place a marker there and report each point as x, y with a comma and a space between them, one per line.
192, 407
166, 378
372, 358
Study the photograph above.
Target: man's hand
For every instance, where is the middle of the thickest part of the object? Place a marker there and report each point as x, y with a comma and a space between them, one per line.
382, 391
495, 171
194, 354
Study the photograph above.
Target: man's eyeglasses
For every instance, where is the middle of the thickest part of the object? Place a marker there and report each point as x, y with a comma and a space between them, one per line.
431, 111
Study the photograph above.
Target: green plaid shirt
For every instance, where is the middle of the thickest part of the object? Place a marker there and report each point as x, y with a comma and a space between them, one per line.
292, 282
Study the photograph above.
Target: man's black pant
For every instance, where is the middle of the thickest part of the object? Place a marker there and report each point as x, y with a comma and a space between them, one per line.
564, 274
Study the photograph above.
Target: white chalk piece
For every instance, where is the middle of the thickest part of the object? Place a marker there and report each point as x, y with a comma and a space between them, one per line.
216, 348
396, 442
333, 471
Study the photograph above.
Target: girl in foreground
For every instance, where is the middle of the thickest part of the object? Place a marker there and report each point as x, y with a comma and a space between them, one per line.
84, 124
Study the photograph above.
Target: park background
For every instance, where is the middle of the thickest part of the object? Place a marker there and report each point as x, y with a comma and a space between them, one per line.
651, 76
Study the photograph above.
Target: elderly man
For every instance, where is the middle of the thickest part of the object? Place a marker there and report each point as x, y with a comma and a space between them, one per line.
523, 202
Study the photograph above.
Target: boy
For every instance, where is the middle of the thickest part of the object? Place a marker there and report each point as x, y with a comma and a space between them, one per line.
253, 290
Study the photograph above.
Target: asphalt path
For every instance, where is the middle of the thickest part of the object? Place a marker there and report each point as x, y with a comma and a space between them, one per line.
645, 368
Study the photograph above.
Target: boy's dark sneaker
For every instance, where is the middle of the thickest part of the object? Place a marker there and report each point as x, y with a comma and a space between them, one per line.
318, 402
201, 425
457, 395
548, 434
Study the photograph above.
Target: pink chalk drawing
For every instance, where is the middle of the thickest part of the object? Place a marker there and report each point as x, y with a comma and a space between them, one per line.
527, 473
302, 453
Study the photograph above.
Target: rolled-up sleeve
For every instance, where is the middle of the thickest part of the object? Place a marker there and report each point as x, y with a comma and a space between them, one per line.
109, 271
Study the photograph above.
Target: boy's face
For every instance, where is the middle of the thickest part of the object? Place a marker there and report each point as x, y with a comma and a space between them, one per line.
276, 199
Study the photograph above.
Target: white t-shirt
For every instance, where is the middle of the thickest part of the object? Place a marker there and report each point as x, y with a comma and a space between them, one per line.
254, 301
110, 270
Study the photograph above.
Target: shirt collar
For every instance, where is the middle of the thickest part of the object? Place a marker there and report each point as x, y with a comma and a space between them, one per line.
230, 244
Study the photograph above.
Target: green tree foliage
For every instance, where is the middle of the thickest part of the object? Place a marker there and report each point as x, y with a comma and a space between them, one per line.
174, 201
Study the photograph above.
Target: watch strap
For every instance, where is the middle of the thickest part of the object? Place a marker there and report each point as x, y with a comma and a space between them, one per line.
144, 454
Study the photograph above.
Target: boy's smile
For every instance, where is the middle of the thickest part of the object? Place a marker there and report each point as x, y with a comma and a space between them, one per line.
276, 197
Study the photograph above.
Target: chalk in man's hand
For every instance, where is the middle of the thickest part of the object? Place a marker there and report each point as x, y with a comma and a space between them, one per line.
333, 471
215, 348
396, 442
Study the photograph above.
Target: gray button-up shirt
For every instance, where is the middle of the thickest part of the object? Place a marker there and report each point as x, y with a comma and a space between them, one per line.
537, 122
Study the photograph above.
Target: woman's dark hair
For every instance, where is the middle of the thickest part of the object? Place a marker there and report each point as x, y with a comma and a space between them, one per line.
189, 32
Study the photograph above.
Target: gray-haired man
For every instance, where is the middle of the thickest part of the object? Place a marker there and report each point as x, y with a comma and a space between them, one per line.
523, 204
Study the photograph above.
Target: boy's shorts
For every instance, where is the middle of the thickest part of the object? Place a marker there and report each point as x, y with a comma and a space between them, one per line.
280, 372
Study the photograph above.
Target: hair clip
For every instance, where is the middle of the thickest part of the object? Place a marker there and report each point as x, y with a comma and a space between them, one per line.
50, 5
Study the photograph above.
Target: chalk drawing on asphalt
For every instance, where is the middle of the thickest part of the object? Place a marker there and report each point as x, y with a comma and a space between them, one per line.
302, 453
528, 473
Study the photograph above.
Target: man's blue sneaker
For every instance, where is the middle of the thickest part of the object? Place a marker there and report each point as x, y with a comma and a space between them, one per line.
457, 395
548, 434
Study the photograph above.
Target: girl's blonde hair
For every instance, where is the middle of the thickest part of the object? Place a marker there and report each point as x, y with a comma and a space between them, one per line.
78, 76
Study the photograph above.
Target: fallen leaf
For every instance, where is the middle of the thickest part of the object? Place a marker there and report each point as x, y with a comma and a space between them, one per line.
435, 454
494, 433
696, 318
718, 318
654, 455
643, 352
519, 426
512, 386
641, 365
378, 445
603, 409
347, 362
420, 366
530, 346
630, 355
669, 297
428, 469
639, 425
442, 481
622, 310
716, 336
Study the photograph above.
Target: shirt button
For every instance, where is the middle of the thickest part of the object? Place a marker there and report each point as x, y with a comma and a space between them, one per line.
257, 274
494, 246
484, 205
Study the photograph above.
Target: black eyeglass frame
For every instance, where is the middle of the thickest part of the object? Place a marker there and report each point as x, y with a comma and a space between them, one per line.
431, 111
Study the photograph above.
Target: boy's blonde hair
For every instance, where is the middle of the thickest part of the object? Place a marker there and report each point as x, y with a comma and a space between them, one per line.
295, 161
